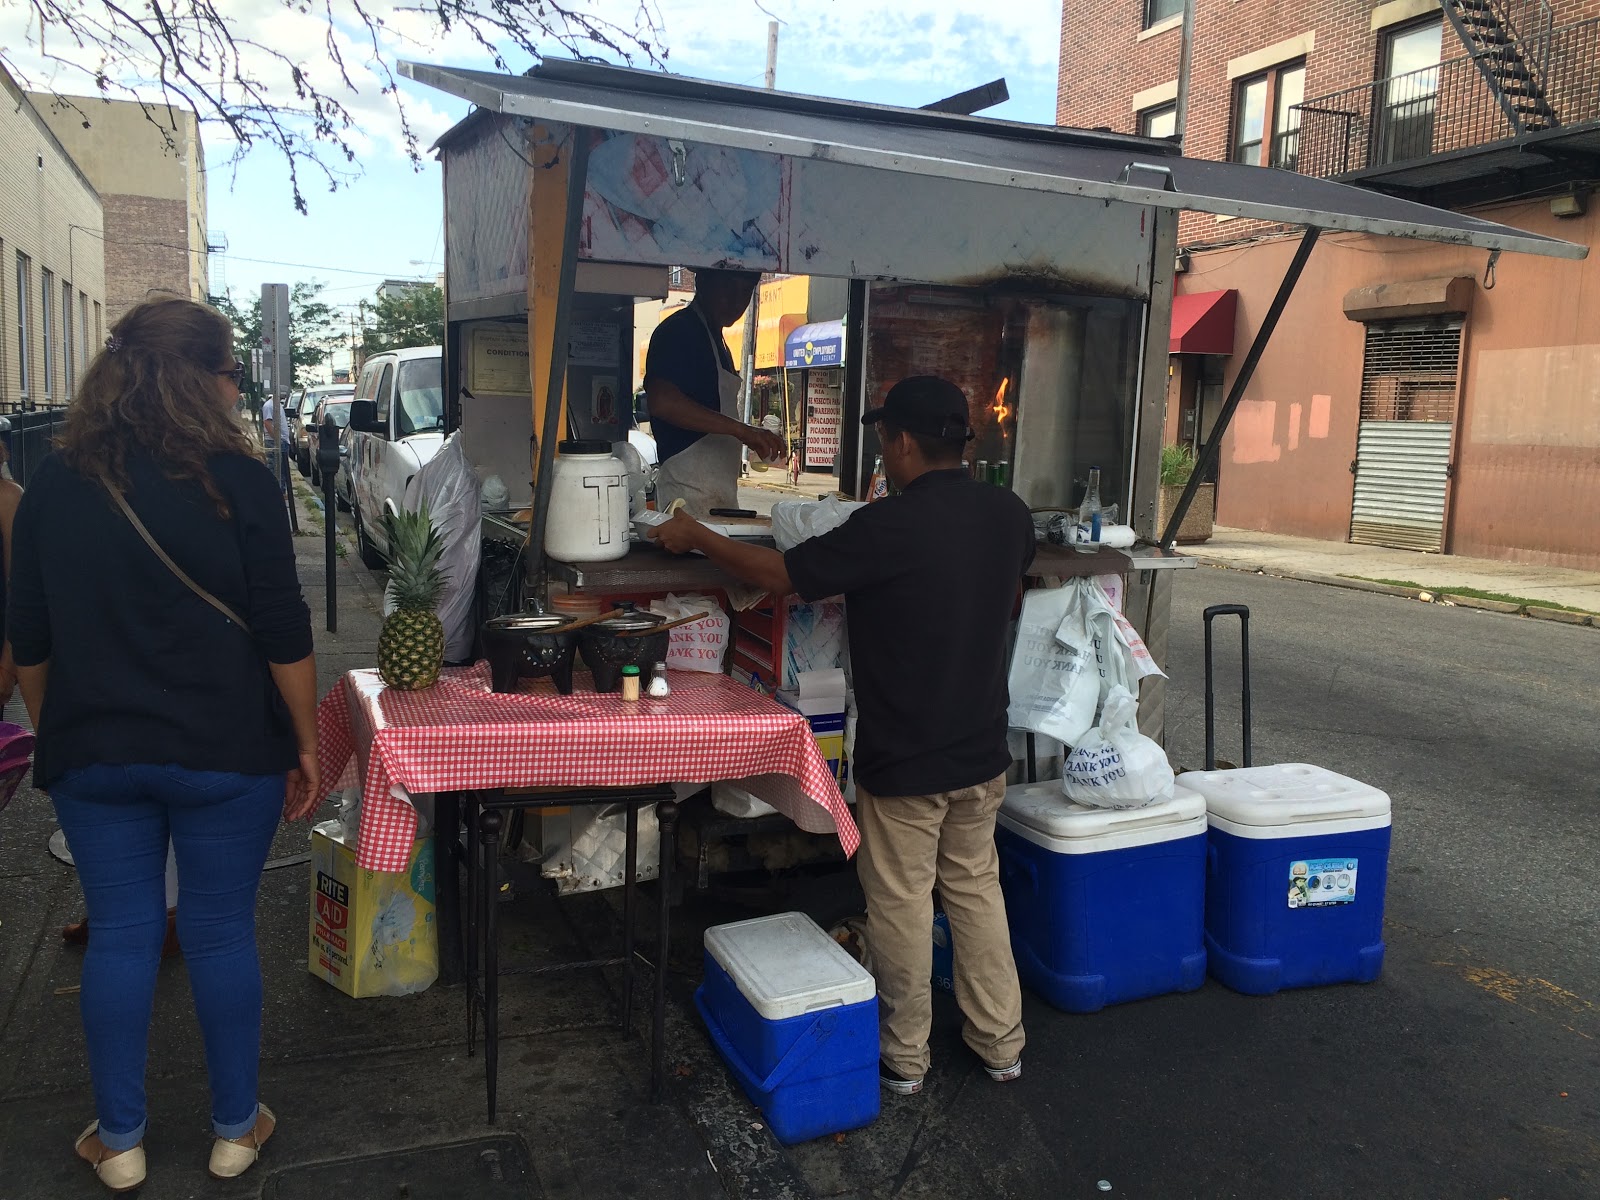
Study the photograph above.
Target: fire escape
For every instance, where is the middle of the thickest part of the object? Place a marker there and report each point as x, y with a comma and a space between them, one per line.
1516, 76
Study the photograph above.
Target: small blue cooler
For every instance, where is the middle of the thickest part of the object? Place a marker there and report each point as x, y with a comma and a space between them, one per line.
1299, 861
1105, 905
796, 1019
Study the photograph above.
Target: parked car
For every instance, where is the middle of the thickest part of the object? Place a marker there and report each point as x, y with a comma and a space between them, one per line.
303, 412
396, 425
337, 407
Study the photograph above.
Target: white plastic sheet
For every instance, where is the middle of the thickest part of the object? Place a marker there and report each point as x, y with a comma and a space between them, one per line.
449, 486
796, 521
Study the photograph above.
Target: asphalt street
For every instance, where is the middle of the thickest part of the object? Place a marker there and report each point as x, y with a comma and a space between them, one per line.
1468, 1070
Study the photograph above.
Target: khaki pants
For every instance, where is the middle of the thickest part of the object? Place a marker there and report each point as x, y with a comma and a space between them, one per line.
908, 842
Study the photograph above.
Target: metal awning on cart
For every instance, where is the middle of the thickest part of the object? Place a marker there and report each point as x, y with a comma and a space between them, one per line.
1014, 155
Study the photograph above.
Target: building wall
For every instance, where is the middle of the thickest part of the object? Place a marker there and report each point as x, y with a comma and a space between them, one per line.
50, 212
149, 168
1527, 479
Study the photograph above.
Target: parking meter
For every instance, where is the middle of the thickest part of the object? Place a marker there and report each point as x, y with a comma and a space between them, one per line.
328, 467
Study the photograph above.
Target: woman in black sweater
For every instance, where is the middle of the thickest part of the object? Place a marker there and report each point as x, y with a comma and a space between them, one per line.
159, 716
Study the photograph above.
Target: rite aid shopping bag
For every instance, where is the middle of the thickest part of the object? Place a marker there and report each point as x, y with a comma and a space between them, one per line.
372, 932
1114, 765
699, 645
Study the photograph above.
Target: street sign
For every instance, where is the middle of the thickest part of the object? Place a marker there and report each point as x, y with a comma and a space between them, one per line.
275, 337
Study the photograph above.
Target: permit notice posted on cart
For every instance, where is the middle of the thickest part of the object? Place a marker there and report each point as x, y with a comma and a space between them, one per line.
1318, 882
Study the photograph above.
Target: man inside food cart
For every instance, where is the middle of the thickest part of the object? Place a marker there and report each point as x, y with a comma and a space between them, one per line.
930, 579
694, 393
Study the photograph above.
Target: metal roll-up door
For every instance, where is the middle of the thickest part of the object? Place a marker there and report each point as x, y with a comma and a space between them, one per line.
1409, 386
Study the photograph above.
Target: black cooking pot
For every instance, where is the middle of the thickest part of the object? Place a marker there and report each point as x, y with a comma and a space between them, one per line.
606, 650
528, 646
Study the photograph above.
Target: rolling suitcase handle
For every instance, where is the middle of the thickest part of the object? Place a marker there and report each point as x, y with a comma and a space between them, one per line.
1243, 613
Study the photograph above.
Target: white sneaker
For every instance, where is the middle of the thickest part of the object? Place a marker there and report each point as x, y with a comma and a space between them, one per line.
1004, 1074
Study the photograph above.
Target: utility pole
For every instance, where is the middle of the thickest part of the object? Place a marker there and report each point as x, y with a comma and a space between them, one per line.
753, 313
1180, 113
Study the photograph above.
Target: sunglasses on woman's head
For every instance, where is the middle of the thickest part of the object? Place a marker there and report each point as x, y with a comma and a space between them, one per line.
236, 373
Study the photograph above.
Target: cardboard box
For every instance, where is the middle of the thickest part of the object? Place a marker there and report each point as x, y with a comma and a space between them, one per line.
372, 933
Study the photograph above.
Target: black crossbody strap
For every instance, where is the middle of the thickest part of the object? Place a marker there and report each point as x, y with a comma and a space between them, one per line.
138, 525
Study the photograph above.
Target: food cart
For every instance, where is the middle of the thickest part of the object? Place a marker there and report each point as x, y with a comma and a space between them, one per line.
1032, 265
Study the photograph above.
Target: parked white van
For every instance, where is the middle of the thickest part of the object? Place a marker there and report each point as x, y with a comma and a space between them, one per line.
396, 425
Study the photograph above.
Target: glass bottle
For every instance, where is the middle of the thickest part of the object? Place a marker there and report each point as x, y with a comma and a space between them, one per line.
878, 488
1088, 537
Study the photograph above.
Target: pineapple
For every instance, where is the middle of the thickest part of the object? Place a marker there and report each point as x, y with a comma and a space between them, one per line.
411, 645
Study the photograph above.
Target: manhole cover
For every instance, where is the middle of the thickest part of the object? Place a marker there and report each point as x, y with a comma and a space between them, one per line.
485, 1169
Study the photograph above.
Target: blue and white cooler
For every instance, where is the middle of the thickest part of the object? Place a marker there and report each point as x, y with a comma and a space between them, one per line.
796, 1020
1299, 860
1105, 905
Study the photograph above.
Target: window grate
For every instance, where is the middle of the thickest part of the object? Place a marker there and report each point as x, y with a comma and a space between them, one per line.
1410, 371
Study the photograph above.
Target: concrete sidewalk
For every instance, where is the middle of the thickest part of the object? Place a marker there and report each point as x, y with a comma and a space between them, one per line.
1534, 591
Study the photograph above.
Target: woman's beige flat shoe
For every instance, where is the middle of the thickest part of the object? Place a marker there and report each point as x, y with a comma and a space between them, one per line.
230, 1159
120, 1171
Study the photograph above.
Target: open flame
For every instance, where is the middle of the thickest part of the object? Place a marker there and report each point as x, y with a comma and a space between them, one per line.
1001, 410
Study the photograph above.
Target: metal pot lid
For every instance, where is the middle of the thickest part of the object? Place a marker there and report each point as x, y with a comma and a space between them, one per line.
630, 623
529, 622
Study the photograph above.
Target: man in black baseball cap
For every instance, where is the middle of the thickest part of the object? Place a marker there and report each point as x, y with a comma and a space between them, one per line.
930, 579
927, 406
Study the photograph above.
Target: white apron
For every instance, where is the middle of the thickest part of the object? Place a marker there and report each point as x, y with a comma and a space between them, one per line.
705, 475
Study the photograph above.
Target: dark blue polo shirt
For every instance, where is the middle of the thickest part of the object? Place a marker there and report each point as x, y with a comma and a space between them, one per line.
681, 354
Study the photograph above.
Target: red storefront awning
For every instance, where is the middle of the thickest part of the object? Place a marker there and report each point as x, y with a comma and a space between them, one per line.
1202, 323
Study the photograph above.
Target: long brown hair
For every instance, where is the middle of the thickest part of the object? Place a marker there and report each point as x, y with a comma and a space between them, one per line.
153, 391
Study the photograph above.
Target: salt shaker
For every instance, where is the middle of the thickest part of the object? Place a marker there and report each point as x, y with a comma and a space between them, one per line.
658, 681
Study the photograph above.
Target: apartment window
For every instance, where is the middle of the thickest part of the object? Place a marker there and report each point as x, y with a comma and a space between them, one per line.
1157, 11
1266, 123
69, 364
86, 350
99, 333
47, 306
1159, 122
24, 323
1410, 93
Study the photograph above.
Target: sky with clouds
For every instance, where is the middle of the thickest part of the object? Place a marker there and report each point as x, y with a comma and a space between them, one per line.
387, 221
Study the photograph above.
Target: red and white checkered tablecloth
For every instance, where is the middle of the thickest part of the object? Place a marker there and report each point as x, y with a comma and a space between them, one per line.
459, 735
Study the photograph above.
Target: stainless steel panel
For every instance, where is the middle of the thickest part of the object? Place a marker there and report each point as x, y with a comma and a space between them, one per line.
1048, 405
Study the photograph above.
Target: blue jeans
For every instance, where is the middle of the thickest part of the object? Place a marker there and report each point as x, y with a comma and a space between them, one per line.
117, 821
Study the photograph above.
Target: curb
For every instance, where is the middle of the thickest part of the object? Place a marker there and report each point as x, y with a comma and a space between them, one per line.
1537, 612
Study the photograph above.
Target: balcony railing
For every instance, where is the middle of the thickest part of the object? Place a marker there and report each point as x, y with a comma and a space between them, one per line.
1443, 109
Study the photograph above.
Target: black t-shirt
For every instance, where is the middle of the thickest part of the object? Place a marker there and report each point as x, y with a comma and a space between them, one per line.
930, 580
141, 669
681, 354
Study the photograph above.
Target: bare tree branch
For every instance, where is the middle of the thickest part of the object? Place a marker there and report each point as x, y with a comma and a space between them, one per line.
192, 55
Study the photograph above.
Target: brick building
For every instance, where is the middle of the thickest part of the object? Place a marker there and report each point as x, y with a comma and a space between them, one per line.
148, 165
1414, 395
52, 277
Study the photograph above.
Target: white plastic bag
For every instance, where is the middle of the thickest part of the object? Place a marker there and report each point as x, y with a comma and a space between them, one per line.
1072, 648
795, 521
449, 486
699, 645
1116, 766
1054, 684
